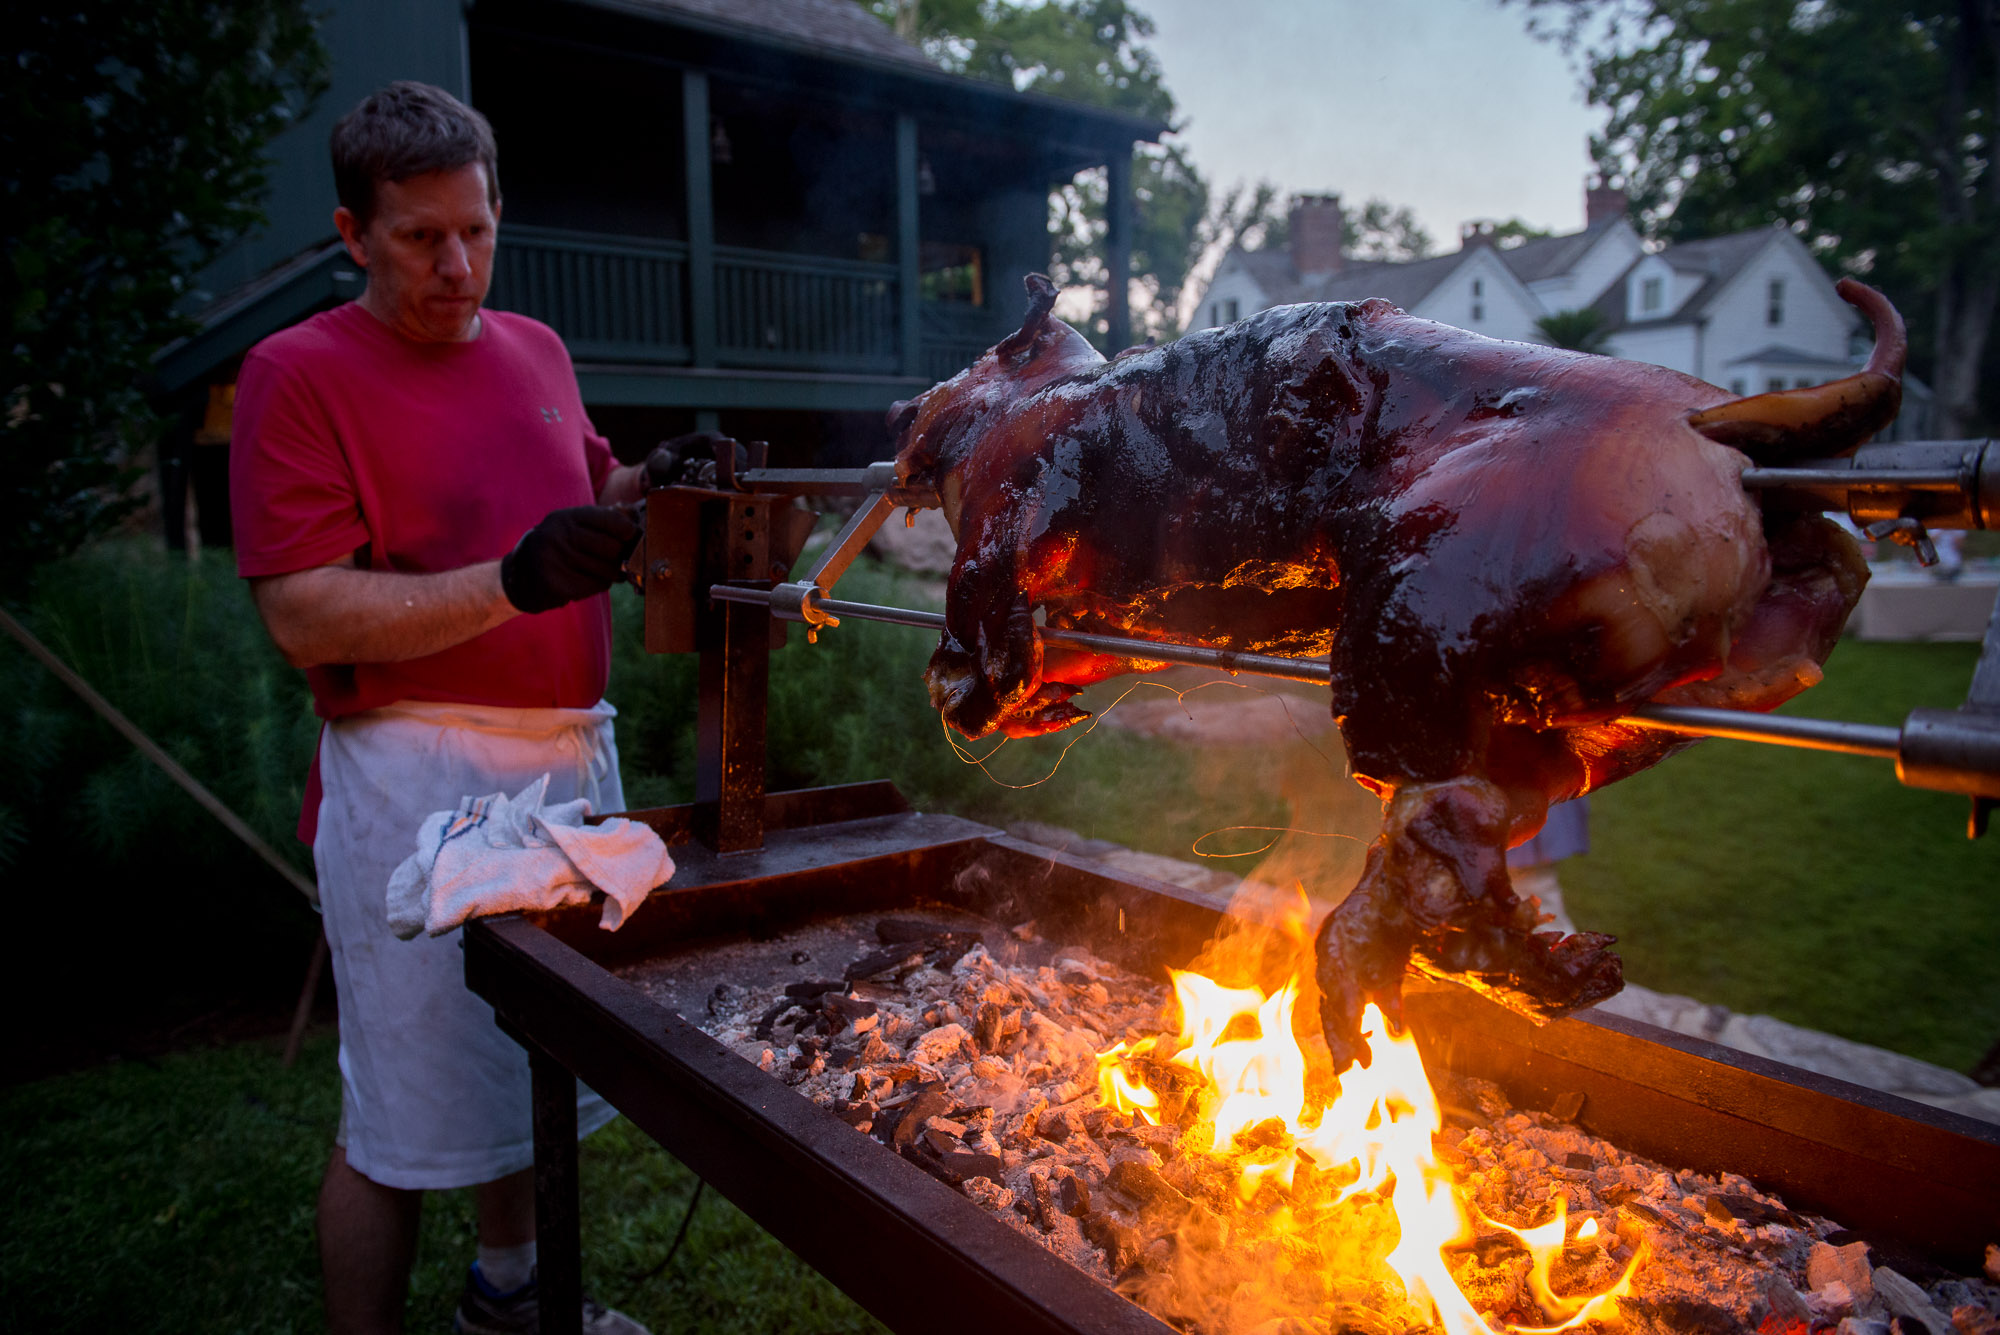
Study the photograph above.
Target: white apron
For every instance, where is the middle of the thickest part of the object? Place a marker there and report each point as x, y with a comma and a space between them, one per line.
433, 1095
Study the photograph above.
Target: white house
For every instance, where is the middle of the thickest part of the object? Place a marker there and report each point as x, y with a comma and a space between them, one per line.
1751, 312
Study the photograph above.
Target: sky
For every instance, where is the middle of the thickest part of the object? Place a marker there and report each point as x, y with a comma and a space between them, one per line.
1447, 106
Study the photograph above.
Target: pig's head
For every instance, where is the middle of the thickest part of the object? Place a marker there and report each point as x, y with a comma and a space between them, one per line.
937, 429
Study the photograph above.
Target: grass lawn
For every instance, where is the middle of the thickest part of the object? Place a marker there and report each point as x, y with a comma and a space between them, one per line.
177, 1196
1809, 886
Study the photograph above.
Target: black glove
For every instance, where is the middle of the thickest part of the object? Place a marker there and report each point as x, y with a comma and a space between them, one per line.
690, 459
571, 554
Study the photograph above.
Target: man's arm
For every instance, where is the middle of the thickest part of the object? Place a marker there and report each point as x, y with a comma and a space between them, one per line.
338, 614
623, 485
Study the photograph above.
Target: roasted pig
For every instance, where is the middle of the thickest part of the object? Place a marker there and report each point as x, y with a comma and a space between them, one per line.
1503, 547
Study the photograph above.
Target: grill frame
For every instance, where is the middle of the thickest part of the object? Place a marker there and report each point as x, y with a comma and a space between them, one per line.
1913, 1179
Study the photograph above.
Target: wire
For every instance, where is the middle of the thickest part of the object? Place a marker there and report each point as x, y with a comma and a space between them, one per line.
687, 1217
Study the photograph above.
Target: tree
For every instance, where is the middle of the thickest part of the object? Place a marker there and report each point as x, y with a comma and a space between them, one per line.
1090, 51
131, 152
1867, 126
1578, 330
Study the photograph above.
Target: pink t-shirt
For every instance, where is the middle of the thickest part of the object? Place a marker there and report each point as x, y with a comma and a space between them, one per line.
420, 457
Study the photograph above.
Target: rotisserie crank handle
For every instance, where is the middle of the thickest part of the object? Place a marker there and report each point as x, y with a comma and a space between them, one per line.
1936, 483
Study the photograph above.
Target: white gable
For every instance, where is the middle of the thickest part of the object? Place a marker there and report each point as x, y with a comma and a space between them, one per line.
1232, 294
1483, 295
1595, 270
1780, 304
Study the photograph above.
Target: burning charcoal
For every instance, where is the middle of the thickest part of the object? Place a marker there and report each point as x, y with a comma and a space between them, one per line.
1075, 1196
801, 957
842, 1058
1580, 1161
718, 997
808, 1053
1854, 1325
856, 1114
986, 1030
1684, 1316
948, 948
943, 1142
1846, 1265
1785, 1302
1971, 1320
1907, 1300
1568, 1105
961, 1165
940, 1045
767, 1022
845, 1010
1726, 1205
1145, 1187
817, 987
878, 962
988, 1193
931, 1103
1118, 1241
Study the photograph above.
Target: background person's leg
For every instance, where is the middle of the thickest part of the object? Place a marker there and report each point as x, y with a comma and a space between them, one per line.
367, 1239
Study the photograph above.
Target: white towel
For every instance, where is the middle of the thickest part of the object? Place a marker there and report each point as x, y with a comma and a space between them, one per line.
496, 854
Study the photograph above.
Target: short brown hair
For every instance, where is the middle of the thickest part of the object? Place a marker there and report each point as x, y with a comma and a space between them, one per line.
405, 130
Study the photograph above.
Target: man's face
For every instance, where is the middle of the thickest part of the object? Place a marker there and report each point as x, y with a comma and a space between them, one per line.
428, 252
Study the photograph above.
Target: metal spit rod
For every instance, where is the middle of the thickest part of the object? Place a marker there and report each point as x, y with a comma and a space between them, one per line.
1813, 734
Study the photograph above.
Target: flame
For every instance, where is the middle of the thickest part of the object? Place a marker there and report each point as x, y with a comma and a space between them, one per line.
1377, 1132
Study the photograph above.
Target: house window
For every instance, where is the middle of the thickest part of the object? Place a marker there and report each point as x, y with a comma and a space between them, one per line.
1214, 313
1478, 311
1652, 293
1479, 287
1738, 387
1804, 384
1773, 385
952, 273
1232, 311
1774, 310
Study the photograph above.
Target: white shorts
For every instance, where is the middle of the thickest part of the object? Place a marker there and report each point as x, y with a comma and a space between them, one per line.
433, 1095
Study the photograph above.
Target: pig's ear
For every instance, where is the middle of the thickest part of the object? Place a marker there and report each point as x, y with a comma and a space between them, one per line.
1041, 300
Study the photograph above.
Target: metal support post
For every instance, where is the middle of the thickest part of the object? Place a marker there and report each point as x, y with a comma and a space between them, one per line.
558, 1231
735, 677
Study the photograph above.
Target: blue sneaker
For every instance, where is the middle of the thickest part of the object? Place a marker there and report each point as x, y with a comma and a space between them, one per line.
484, 1310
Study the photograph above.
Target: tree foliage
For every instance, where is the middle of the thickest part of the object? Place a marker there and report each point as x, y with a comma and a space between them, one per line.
1581, 330
131, 151
1866, 126
1090, 51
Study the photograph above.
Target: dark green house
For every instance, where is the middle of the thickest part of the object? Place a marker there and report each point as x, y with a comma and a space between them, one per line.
768, 217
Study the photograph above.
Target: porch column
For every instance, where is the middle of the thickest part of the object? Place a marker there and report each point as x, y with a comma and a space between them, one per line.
700, 218
908, 312
1118, 248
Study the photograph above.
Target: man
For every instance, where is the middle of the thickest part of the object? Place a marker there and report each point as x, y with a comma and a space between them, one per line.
429, 527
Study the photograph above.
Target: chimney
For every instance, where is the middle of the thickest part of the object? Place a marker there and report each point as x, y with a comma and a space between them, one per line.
1319, 236
1473, 235
1602, 203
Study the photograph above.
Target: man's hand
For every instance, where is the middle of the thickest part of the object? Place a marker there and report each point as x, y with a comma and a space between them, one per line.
682, 458
571, 554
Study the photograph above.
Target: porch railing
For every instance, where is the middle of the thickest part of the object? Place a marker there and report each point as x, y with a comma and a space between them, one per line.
626, 299
621, 299
801, 312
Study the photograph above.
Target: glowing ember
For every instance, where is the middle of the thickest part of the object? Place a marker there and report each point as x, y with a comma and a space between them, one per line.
1375, 1136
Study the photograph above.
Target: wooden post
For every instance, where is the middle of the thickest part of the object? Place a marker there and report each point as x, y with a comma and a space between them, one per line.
1118, 248
558, 1231
909, 313
700, 218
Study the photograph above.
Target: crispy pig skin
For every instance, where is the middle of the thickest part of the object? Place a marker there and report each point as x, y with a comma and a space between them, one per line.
1501, 546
